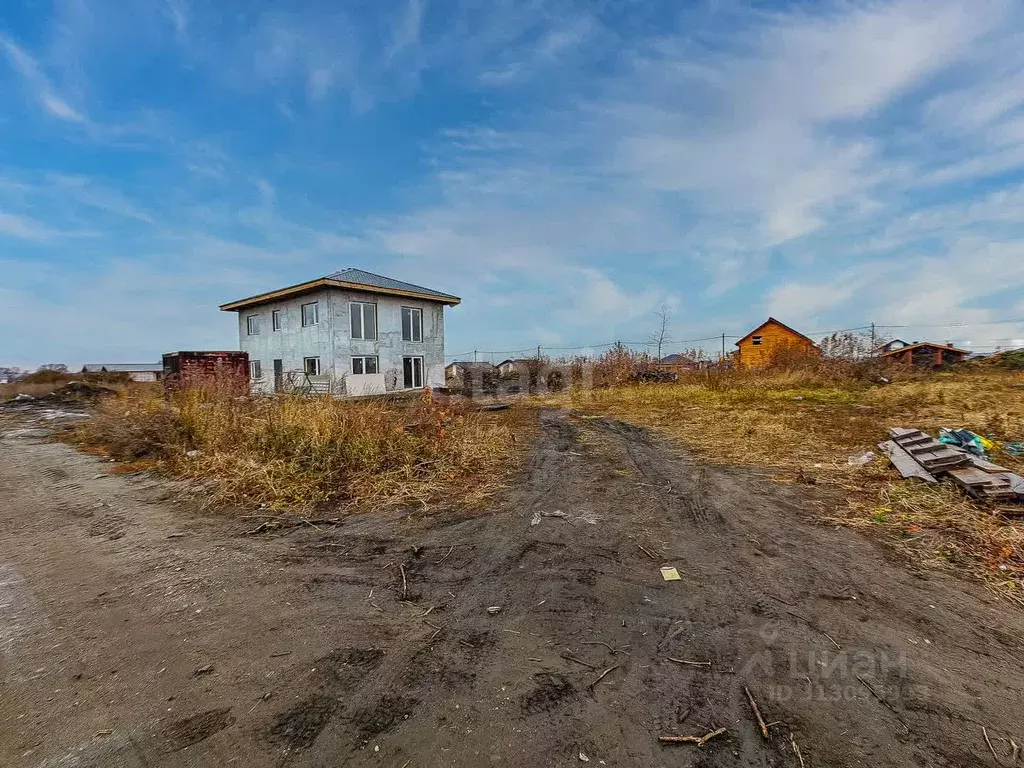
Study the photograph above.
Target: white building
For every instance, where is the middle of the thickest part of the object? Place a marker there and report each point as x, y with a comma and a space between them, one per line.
351, 332
142, 372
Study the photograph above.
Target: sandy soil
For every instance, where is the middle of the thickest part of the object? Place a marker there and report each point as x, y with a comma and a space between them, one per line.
137, 631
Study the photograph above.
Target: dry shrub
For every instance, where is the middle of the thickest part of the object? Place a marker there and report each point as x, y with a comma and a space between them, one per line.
294, 451
619, 365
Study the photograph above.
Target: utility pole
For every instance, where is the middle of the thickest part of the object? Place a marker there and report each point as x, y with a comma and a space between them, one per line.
872, 337
474, 356
538, 351
723, 346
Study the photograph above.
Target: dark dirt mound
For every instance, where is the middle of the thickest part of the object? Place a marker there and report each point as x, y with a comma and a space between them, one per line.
72, 393
78, 392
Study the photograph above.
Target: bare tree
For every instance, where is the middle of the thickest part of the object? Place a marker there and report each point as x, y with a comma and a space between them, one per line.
661, 336
847, 345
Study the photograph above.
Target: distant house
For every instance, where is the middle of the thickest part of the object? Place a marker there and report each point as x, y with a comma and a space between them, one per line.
889, 346
461, 368
927, 354
678, 361
509, 367
136, 371
768, 341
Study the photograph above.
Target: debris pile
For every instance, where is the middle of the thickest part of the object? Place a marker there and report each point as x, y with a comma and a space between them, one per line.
959, 455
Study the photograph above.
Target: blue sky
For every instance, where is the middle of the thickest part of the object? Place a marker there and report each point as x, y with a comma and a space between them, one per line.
565, 167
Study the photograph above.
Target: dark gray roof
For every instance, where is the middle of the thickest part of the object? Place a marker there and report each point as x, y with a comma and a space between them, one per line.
362, 277
121, 367
469, 364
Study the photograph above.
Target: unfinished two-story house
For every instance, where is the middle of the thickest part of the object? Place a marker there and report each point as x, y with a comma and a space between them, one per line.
351, 332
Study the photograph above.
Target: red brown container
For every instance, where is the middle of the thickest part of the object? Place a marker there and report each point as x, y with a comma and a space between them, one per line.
193, 369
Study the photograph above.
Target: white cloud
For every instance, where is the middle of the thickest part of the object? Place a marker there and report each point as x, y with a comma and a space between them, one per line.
178, 13
37, 82
12, 225
945, 296
92, 194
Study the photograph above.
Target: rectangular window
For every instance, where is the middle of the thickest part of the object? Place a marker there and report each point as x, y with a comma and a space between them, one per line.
252, 324
364, 320
275, 319
310, 314
311, 365
756, 341
364, 364
412, 372
255, 372
412, 324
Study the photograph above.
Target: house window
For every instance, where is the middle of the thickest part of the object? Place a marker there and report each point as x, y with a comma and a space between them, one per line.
412, 370
311, 365
364, 320
275, 319
255, 372
252, 325
364, 364
412, 324
756, 340
310, 314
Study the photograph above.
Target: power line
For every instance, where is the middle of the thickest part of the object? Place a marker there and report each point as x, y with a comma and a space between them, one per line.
717, 337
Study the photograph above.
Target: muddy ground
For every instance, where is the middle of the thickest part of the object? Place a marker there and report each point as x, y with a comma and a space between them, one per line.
136, 630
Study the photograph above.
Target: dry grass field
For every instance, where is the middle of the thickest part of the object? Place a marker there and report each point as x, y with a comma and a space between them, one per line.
807, 426
295, 452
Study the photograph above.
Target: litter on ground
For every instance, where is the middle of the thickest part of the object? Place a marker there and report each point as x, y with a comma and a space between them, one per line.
861, 459
917, 454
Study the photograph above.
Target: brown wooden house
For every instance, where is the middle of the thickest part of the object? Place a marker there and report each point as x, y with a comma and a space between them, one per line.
769, 342
926, 354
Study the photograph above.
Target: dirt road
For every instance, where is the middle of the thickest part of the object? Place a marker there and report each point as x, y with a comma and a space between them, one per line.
136, 631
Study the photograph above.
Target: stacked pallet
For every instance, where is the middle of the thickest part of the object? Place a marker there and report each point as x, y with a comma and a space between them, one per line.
916, 454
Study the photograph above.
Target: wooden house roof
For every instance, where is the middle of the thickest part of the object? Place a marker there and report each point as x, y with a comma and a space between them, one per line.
929, 345
770, 321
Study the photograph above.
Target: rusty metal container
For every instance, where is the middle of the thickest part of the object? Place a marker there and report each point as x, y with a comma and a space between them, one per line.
198, 368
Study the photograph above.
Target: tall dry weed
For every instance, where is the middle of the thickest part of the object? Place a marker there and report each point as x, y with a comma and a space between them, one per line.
294, 451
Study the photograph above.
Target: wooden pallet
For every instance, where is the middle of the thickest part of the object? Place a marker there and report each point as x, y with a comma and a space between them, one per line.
916, 454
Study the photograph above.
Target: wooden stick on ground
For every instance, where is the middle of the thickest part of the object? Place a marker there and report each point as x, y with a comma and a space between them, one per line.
602, 675
691, 663
885, 703
757, 712
405, 583
647, 552
700, 741
567, 657
796, 750
451, 549
984, 732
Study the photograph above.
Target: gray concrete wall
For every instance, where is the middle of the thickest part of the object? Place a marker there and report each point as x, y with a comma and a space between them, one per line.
389, 347
331, 340
293, 342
